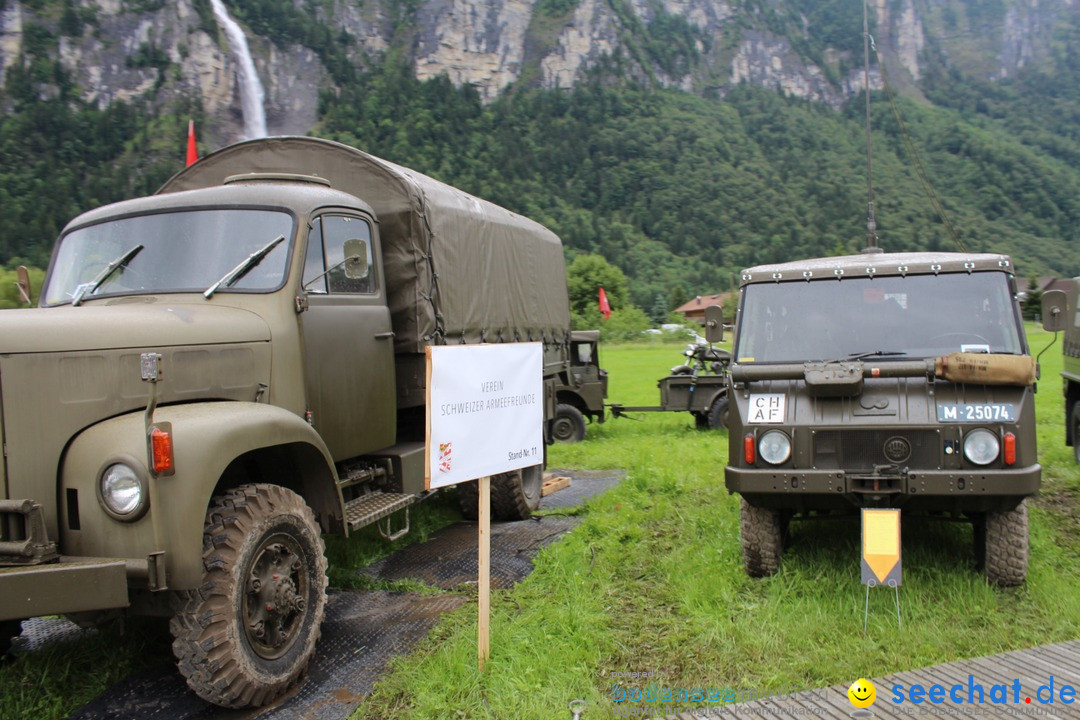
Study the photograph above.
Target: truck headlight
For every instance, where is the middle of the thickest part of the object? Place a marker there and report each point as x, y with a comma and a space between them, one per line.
123, 491
981, 446
774, 447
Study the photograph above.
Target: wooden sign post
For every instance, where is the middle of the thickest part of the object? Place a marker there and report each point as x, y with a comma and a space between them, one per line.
485, 416
483, 577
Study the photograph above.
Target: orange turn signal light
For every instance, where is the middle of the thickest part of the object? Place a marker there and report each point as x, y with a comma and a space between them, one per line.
749, 450
1009, 449
161, 451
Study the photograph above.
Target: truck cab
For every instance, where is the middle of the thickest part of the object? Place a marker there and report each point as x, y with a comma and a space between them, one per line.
1059, 308
581, 389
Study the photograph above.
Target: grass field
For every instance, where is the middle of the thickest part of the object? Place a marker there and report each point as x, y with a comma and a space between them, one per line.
652, 582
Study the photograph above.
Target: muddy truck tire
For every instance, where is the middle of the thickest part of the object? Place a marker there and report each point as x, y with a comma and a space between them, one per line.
569, 424
514, 495
762, 534
1004, 546
247, 634
468, 494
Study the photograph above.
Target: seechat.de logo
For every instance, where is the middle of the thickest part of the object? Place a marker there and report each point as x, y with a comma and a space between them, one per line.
862, 695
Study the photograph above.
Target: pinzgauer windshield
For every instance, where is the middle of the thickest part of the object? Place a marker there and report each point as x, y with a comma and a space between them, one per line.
185, 251
898, 317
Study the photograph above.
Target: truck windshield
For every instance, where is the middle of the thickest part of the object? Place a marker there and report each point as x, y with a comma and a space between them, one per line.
184, 251
892, 318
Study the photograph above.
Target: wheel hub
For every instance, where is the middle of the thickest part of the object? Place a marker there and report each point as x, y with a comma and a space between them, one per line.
274, 601
563, 428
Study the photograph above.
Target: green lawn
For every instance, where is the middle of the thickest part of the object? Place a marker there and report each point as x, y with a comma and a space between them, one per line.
652, 582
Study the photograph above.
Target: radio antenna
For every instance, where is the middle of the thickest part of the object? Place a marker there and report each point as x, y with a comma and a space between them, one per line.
871, 224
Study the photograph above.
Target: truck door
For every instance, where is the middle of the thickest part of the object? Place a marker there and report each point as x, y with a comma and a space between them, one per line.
348, 343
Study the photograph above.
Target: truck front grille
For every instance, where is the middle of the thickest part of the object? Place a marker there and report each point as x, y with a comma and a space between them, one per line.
856, 450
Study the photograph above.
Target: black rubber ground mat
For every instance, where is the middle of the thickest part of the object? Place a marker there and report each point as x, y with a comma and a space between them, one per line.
363, 630
583, 485
449, 558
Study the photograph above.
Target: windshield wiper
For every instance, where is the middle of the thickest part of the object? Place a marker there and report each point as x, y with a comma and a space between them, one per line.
229, 278
91, 287
871, 353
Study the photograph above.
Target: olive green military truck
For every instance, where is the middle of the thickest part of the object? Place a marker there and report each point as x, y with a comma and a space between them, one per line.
1060, 312
884, 380
580, 389
219, 373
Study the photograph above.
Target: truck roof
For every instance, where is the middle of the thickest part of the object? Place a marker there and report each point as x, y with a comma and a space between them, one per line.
871, 264
291, 197
459, 268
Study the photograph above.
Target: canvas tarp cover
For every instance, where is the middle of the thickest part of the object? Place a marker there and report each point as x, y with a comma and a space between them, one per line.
459, 269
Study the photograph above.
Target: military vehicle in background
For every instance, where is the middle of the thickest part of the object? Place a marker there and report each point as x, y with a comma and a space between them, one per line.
218, 374
698, 386
581, 388
884, 381
1060, 312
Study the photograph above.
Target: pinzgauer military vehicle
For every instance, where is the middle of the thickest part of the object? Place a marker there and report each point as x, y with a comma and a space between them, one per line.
884, 380
219, 373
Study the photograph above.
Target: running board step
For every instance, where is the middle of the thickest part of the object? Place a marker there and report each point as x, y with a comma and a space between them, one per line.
367, 509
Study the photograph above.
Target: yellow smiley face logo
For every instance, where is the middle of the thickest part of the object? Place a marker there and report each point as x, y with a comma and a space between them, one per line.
862, 693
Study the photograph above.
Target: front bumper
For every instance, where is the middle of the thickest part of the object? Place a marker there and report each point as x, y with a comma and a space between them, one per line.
928, 490
70, 585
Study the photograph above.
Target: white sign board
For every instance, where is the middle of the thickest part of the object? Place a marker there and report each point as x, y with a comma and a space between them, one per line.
485, 411
767, 408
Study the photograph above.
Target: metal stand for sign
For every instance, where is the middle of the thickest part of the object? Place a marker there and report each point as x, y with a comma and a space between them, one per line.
866, 608
483, 580
881, 562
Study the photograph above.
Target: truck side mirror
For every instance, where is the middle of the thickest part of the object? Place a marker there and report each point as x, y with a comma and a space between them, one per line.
356, 259
1053, 310
714, 324
23, 282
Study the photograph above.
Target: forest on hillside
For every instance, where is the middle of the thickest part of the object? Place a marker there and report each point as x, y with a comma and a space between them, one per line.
679, 191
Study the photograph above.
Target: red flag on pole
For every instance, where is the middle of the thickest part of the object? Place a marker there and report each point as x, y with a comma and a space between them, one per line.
605, 309
192, 151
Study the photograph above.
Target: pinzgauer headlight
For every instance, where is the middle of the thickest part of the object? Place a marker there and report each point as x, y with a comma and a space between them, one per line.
981, 446
774, 447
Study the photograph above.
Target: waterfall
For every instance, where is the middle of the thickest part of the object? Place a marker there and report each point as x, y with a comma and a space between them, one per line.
251, 90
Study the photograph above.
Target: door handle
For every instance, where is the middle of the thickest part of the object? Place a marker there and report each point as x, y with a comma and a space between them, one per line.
384, 335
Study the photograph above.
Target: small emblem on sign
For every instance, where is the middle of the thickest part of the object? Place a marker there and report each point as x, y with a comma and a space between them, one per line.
444, 456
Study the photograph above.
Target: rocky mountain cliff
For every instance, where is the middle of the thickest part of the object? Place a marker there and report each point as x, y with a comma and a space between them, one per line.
164, 49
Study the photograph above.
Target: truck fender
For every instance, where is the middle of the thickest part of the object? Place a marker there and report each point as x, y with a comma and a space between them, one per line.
216, 445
